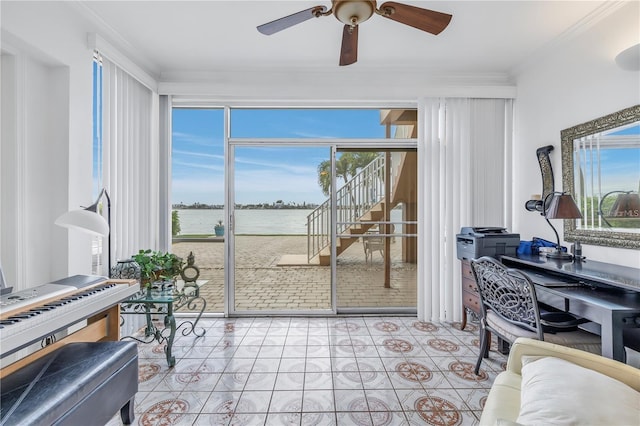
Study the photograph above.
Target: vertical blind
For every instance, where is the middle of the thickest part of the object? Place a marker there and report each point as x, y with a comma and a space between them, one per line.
130, 166
130, 162
588, 180
464, 175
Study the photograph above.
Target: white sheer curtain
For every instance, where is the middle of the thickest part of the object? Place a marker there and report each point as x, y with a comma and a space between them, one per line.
130, 159
464, 179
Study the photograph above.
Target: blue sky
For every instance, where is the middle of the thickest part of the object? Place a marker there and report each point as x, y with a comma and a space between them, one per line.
622, 164
263, 174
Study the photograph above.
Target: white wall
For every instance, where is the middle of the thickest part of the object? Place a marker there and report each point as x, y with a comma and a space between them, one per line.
576, 82
8, 159
53, 122
46, 166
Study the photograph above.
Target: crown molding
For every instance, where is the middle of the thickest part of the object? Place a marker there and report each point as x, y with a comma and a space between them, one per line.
112, 40
107, 50
607, 8
302, 91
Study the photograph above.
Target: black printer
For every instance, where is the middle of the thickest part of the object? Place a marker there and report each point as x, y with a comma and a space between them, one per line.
475, 242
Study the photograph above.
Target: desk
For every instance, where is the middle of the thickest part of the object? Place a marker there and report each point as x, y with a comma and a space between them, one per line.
163, 301
609, 294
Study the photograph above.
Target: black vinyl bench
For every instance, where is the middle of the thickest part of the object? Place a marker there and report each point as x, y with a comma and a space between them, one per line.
77, 384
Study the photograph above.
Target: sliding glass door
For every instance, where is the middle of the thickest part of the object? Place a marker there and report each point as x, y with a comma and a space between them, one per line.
376, 246
297, 211
275, 193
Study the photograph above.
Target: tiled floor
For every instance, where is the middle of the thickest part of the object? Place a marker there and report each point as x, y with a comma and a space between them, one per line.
316, 371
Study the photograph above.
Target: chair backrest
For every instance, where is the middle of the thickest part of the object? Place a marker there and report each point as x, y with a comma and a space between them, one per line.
373, 239
509, 293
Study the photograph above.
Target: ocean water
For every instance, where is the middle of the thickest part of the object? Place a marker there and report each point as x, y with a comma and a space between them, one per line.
254, 222
259, 221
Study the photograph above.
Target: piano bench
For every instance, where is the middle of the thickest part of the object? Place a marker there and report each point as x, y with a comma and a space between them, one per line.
77, 384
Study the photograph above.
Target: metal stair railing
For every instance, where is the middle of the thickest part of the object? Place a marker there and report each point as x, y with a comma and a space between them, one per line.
353, 200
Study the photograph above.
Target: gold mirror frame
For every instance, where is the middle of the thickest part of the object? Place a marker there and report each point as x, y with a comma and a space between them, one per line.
627, 240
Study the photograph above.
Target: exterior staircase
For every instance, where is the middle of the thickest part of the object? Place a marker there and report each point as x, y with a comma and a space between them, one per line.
361, 202
360, 205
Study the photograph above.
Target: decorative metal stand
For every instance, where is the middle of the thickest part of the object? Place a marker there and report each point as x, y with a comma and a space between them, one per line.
162, 301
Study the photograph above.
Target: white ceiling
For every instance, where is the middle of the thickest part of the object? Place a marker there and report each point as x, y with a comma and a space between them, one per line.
186, 37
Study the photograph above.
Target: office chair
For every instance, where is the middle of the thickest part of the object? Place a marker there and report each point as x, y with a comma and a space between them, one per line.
509, 308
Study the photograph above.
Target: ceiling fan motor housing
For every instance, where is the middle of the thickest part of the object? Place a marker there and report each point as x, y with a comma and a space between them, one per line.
353, 12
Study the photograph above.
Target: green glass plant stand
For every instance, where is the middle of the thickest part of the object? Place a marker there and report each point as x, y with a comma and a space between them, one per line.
163, 301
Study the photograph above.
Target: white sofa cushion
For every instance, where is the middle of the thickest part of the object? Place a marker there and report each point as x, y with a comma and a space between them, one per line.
556, 391
503, 402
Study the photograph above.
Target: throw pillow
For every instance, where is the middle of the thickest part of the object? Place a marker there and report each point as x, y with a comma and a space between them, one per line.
556, 391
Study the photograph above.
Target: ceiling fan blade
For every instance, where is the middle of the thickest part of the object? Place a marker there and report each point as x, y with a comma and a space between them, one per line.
349, 50
291, 20
423, 19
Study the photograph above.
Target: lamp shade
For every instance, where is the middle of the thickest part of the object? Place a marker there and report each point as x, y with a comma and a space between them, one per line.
562, 206
627, 205
84, 220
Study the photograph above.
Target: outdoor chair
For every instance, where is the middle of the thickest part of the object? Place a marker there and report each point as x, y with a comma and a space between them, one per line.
372, 242
509, 308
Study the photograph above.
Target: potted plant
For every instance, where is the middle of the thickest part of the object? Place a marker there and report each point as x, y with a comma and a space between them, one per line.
157, 266
219, 229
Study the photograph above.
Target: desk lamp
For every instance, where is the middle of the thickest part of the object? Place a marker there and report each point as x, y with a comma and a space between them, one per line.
91, 221
559, 205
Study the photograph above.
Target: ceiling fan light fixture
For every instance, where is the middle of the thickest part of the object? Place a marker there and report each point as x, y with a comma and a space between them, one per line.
353, 12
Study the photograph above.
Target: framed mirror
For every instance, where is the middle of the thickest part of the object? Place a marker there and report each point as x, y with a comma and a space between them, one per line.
601, 169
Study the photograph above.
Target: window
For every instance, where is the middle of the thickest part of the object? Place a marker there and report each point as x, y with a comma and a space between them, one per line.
97, 154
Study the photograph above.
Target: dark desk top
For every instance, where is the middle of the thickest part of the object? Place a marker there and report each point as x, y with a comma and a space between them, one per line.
589, 270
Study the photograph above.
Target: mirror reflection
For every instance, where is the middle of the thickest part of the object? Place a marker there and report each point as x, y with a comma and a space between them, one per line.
607, 179
601, 169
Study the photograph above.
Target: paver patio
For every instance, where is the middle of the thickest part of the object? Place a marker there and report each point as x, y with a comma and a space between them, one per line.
263, 285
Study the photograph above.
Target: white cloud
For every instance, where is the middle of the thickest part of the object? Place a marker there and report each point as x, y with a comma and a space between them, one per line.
260, 186
179, 137
313, 135
192, 165
296, 169
198, 154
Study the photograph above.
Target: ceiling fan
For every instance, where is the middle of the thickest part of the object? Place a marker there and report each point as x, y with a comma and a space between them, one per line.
353, 12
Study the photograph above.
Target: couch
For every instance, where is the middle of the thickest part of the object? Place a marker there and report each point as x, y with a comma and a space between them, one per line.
589, 389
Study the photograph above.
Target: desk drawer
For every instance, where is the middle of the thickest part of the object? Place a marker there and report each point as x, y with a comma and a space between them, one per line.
471, 301
466, 270
469, 285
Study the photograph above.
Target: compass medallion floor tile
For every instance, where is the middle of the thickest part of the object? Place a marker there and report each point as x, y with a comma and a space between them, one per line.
380, 371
